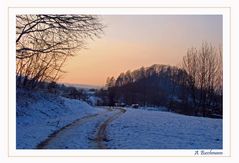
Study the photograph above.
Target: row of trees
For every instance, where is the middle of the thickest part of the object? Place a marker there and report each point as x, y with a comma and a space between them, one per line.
87, 95
44, 42
195, 88
63, 90
145, 85
205, 69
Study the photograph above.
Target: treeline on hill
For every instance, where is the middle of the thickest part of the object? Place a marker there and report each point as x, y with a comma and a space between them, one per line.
193, 89
63, 90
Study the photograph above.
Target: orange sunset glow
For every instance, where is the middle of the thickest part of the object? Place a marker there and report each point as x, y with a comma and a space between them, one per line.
130, 42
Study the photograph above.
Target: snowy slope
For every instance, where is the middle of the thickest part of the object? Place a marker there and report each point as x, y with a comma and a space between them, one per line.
82, 135
40, 114
144, 129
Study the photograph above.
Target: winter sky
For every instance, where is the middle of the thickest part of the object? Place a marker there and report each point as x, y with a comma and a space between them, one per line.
130, 42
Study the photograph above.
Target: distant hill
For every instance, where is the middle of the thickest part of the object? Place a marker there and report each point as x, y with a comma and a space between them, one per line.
154, 85
161, 85
83, 86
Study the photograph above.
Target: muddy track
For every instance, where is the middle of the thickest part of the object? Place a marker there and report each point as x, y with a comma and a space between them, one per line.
101, 136
44, 143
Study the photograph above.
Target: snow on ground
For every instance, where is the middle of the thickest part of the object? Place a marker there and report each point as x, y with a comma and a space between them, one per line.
40, 114
93, 100
153, 108
144, 129
82, 136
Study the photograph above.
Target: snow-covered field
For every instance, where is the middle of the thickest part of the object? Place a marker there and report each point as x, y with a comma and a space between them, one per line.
82, 135
41, 114
144, 129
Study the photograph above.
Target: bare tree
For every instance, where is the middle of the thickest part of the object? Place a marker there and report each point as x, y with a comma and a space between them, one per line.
190, 65
219, 72
44, 42
204, 67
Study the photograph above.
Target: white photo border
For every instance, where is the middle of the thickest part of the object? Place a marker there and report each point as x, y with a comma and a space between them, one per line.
13, 11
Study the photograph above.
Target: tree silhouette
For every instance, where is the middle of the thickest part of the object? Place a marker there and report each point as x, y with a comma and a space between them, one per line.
44, 42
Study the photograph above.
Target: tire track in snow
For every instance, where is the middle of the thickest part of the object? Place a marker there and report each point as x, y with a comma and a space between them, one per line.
80, 121
101, 136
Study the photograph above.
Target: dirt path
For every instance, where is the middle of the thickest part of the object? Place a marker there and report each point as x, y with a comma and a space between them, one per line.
99, 133
55, 134
101, 136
